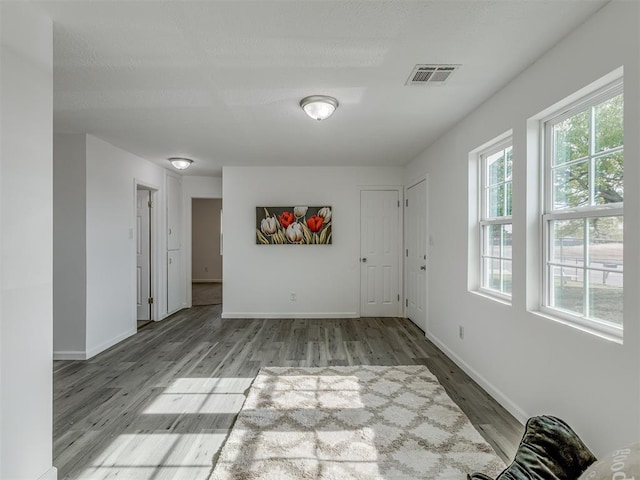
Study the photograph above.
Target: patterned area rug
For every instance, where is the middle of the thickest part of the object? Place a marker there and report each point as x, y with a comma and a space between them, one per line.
365, 422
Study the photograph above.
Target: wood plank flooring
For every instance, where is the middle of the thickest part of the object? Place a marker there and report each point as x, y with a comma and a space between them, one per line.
160, 404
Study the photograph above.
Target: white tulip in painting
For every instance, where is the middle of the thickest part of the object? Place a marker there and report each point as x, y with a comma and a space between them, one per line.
300, 212
294, 233
269, 225
325, 213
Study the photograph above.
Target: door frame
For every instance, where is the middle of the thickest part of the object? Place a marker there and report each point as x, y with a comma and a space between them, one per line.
413, 183
400, 243
188, 244
154, 223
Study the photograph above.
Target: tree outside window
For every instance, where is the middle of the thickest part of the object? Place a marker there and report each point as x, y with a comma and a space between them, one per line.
584, 209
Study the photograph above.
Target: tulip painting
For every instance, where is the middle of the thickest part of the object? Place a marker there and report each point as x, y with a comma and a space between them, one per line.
298, 225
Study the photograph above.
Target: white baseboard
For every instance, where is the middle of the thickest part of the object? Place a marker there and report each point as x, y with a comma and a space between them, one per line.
500, 397
206, 280
101, 348
289, 315
69, 355
51, 474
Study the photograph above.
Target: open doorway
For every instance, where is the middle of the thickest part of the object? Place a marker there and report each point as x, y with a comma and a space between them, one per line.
206, 255
144, 257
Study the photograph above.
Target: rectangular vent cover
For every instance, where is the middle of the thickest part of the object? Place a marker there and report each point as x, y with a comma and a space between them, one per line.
431, 74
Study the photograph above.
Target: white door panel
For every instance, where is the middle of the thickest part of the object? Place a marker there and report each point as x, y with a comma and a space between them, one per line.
379, 244
174, 207
174, 281
143, 257
416, 254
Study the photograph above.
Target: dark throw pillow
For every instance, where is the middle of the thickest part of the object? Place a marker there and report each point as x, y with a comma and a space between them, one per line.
549, 450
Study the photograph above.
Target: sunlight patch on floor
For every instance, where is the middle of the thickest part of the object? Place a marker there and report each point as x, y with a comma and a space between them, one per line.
201, 396
149, 456
209, 385
196, 403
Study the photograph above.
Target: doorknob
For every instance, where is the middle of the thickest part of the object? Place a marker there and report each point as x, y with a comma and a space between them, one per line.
423, 267
363, 260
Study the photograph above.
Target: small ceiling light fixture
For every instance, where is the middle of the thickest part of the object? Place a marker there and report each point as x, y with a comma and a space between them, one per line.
319, 107
181, 163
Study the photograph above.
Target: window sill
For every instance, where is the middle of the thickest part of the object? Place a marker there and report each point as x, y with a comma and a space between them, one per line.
605, 333
492, 296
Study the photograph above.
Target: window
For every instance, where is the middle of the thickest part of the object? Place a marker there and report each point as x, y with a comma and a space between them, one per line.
583, 214
496, 228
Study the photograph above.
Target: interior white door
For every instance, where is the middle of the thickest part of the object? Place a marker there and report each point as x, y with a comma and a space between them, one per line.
143, 263
416, 254
379, 254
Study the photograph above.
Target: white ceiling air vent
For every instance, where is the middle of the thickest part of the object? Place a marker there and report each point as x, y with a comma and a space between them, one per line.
431, 74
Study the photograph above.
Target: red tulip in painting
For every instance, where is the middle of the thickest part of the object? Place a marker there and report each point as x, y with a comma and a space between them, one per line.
286, 219
315, 223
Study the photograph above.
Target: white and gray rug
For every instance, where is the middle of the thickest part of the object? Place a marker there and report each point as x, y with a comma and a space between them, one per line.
364, 422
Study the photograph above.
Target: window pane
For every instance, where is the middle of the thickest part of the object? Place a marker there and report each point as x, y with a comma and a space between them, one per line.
605, 296
605, 242
492, 240
609, 174
567, 242
567, 285
495, 198
571, 138
495, 168
492, 274
509, 162
507, 198
571, 186
507, 230
506, 276
608, 124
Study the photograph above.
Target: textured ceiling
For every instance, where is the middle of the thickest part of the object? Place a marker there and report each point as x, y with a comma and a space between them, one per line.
220, 81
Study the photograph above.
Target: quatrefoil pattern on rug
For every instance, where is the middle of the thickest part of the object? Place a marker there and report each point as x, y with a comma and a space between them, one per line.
363, 422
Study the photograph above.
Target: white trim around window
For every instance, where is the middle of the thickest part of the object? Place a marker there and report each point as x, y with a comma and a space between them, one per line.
495, 220
583, 216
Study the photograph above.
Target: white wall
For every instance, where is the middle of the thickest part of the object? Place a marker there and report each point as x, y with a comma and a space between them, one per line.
194, 187
206, 264
258, 279
69, 245
26, 259
202, 187
532, 364
111, 173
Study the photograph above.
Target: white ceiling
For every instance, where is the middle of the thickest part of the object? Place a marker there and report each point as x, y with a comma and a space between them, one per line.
220, 81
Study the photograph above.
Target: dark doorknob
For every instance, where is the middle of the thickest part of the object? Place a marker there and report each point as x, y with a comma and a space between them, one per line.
363, 260
423, 267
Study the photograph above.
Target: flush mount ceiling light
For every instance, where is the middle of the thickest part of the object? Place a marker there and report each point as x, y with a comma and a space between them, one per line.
180, 163
319, 107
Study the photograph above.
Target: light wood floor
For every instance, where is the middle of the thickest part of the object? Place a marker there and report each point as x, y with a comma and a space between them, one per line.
160, 404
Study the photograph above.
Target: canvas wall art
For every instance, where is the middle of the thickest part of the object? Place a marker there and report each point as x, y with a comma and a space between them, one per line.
293, 225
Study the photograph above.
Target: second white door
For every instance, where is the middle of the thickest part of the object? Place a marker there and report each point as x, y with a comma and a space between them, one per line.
379, 254
416, 254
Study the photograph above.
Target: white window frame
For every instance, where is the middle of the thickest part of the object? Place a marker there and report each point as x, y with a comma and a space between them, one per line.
549, 214
485, 220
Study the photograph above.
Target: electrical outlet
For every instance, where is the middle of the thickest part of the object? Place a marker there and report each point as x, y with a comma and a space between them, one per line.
461, 332
293, 296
